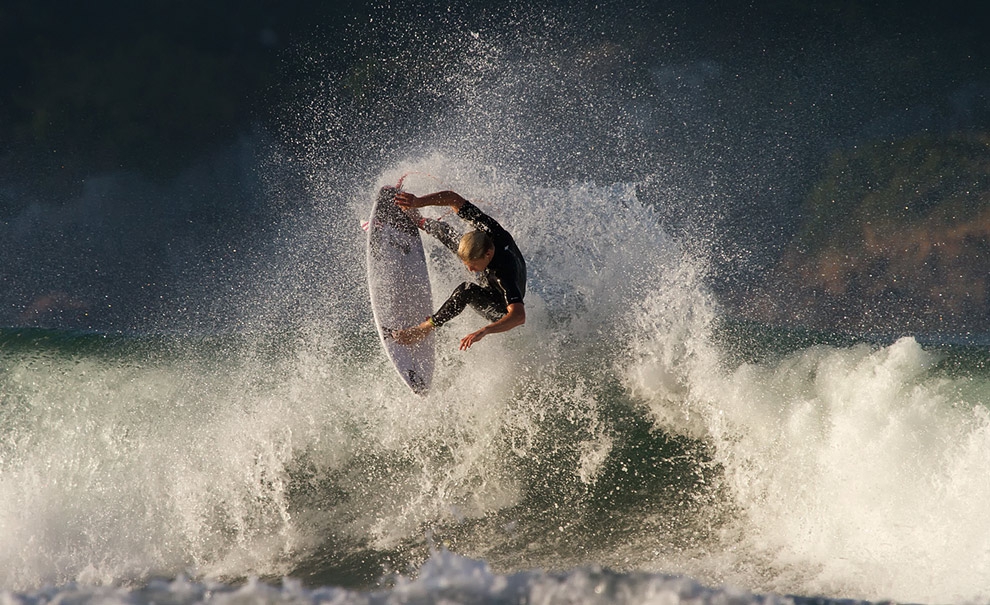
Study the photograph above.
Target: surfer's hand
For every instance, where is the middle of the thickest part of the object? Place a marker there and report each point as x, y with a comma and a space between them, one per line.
472, 338
404, 199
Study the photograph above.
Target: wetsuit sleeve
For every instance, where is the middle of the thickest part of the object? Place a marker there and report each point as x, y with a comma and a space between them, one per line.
472, 214
510, 285
443, 232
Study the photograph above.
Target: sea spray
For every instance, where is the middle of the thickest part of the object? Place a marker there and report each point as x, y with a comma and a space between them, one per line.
614, 427
845, 465
240, 456
611, 430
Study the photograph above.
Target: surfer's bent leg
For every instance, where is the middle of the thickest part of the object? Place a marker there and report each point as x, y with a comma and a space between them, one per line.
485, 301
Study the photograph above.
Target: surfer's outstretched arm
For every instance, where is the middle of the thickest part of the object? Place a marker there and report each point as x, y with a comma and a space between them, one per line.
441, 198
464, 209
442, 231
514, 318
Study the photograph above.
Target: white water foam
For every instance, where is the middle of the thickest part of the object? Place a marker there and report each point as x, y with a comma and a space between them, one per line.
119, 470
444, 578
856, 471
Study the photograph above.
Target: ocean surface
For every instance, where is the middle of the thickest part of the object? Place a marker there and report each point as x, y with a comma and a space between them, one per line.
627, 445
197, 409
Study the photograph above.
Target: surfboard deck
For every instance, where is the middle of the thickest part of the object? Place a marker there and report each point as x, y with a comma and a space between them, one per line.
399, 285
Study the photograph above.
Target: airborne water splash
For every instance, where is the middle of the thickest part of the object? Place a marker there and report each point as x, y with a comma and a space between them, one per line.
612, 430
621, 427
247, 455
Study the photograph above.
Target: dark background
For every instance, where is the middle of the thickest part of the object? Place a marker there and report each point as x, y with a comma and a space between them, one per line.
131, 134
111, 85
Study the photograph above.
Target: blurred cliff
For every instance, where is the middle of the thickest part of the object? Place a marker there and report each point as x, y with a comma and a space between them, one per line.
894, 237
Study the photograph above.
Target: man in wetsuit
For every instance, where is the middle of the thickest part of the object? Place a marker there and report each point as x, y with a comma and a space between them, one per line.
490, 251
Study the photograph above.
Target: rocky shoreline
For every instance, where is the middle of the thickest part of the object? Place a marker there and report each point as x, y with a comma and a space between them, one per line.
895, 238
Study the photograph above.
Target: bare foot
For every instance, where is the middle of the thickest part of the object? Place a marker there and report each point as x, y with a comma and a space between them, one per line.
411, 336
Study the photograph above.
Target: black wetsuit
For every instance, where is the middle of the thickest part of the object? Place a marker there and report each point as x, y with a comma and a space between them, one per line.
503, 282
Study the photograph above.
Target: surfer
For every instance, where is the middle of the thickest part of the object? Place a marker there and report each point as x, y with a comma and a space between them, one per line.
488, 250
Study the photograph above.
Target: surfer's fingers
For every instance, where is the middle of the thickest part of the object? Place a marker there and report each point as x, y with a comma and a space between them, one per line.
408, 200
470, 339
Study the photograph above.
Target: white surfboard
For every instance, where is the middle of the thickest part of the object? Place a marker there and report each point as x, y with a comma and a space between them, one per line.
400, 288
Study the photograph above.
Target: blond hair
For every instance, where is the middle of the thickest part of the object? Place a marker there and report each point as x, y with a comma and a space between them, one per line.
474, 245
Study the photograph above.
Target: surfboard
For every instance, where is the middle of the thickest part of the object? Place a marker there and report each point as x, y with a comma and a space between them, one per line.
399, 285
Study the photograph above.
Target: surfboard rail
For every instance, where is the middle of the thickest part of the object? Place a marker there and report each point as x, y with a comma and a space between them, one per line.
399, 288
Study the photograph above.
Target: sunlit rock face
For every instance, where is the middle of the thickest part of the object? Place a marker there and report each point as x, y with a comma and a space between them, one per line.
895, 236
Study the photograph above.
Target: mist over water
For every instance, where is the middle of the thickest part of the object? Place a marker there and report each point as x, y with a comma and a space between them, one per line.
266, 434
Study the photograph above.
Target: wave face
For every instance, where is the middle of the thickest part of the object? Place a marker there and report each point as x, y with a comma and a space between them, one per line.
625, 426
628, 426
